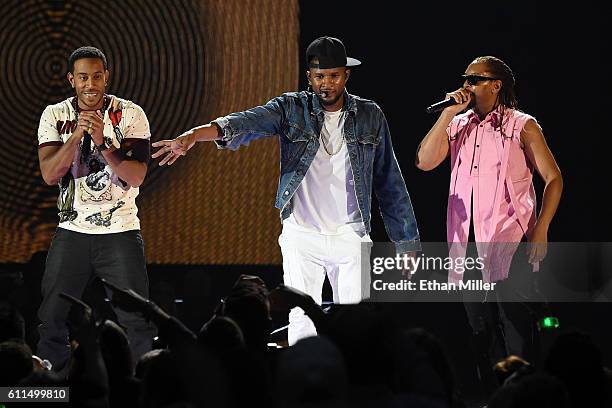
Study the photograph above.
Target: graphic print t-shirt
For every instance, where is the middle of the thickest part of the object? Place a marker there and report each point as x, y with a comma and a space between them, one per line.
92, 199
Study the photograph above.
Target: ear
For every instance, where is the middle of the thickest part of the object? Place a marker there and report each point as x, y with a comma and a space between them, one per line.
497, 85
308, 77
347, 72
70, 78
106, 77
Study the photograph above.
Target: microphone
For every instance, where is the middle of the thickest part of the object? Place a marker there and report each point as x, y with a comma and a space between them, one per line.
438, 106
85, 146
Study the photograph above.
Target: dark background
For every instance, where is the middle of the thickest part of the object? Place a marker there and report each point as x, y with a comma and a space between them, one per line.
411, 56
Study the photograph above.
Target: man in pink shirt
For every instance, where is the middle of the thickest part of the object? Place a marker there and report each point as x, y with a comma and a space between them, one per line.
494, 149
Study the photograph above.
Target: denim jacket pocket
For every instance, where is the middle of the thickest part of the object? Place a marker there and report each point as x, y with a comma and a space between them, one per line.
368, 144
293, 146
295, 133
369, 139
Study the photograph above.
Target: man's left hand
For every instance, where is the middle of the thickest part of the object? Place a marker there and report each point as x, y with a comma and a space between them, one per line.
538, 244
95, 126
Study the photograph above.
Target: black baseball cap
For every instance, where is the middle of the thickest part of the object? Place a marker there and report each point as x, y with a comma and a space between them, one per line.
328, 52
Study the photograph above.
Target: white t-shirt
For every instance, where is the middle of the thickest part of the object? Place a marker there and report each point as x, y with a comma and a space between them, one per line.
325, 200
93, 200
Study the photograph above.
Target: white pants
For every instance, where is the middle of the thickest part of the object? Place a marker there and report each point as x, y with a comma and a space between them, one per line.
308, 256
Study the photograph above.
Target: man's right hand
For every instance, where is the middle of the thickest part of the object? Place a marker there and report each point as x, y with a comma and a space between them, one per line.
174, 148
127, 299
462, 96
82, 127
80, 320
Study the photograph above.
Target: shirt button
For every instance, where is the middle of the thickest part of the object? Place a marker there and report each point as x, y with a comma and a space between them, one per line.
286, 192
481, 125
477, 145
475, 167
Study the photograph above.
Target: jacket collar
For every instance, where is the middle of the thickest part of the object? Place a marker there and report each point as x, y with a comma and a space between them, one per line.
350, 104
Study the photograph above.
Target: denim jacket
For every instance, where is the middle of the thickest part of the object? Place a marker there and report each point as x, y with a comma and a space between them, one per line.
297, 118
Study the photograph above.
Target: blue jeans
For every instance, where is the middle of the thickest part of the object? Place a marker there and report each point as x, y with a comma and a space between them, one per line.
73, 260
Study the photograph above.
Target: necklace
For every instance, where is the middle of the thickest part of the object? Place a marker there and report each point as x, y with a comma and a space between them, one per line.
75, 104
332, 153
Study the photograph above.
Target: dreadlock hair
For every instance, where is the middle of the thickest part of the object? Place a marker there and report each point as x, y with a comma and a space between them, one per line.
501, 70
506, 96
86, 52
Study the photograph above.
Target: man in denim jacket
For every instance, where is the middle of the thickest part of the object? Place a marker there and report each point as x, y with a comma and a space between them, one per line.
335, 148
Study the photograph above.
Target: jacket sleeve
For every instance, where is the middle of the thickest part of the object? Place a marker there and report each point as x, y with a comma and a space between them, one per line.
390, 189
240, 128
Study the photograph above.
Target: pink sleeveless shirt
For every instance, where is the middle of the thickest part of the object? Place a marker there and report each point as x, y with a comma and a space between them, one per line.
491, 182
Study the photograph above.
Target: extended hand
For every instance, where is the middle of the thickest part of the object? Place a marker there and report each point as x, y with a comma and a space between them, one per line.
283, 298
174, 148
81, 323
127, 299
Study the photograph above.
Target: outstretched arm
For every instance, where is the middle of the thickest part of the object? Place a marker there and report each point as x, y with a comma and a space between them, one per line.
88, 375
175, 148
231, 131
172, 330
284, 298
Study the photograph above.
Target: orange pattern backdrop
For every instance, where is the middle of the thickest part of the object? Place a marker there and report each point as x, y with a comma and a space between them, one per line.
185, 63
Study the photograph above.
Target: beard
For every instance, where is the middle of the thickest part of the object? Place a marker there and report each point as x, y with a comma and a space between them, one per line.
329, 102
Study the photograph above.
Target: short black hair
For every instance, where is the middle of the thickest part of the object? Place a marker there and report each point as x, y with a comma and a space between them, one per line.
86, 52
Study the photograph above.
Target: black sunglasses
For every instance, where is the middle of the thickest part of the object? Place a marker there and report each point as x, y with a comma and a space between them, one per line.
474, 79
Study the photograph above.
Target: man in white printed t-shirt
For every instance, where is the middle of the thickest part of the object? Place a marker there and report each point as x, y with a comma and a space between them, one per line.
335, 150
95, 147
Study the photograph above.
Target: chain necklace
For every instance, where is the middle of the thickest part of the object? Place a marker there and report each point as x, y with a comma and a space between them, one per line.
332, 153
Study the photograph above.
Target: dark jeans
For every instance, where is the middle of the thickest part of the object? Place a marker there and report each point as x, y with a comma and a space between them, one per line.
74, 259
508, 326
503, 323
